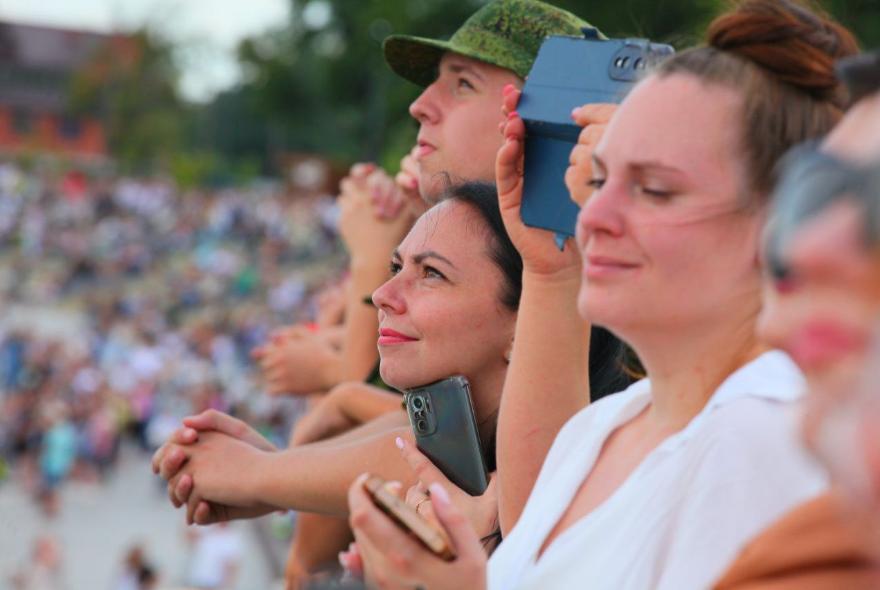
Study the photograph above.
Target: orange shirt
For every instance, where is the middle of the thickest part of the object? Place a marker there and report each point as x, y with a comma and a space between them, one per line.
811, 548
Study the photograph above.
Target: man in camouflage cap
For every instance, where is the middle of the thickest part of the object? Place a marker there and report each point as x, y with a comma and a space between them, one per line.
460, 108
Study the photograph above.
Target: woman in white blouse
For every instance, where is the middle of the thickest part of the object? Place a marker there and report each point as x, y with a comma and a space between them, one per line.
660, 485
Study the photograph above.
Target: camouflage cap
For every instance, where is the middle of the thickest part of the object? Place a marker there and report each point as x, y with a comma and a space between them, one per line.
504, 33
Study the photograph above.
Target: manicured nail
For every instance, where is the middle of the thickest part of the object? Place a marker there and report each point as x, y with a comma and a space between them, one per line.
508, 88
399, 442
512, 115
343, 559
439, 492
574, 112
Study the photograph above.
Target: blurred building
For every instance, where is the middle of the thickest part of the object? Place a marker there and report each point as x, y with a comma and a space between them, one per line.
37, 67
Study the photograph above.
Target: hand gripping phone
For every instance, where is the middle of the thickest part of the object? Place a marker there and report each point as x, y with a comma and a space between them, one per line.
570, 72
442, 418
408, 519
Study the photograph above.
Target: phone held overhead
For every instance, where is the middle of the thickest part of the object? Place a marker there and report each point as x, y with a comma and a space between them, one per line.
570, 72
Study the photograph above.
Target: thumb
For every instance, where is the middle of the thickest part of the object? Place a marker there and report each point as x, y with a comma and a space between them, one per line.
457, 526
218, 421
508, 162
424, 469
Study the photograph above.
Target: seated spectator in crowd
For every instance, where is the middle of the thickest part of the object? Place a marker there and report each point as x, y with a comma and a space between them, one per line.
659, 486
822, 307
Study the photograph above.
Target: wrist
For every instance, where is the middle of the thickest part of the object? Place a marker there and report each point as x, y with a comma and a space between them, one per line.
367, 273
560, 283
257, 476
331, 370
368, 264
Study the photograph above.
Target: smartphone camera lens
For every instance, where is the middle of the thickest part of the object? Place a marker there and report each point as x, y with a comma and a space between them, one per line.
639, 64
421, 425
418, 403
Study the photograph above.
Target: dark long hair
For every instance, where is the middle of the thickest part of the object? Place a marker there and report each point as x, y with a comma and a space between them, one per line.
483, 199
612, 364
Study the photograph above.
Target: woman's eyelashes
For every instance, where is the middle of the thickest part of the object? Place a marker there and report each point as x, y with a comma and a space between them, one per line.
637, 188
657, 193
429, 272
426, 271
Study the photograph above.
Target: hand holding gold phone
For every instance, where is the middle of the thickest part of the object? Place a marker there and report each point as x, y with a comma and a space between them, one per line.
431, 536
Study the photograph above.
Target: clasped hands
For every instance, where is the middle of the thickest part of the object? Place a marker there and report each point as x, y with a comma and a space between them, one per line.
212, 464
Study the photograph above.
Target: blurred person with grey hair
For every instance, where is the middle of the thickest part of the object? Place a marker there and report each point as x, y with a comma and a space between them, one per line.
822, 306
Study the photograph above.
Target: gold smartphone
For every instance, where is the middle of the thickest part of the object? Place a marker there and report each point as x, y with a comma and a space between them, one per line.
409, 520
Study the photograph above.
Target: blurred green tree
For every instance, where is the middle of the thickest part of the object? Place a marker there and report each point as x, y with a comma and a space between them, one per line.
320, 84
131, 83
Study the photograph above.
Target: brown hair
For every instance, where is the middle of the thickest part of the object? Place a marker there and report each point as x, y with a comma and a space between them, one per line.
780, 55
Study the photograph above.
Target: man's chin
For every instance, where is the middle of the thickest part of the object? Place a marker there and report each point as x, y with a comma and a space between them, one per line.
432, 191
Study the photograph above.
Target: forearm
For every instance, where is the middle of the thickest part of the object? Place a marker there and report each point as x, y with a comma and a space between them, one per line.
547, 383
388, 421
316, 478
364, 403
334, 335
361, 320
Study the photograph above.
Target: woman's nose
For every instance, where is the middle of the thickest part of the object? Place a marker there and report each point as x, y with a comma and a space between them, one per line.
388, 296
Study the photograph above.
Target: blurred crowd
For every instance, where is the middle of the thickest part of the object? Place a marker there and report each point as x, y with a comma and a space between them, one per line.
130, 304
700, 358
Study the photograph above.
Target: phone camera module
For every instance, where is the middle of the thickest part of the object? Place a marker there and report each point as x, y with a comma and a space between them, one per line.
418, 403
421, 425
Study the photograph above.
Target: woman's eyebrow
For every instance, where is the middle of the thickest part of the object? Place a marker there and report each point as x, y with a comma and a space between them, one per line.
422, 256
656, 165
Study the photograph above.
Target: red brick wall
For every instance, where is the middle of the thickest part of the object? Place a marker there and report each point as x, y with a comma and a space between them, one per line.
45, 136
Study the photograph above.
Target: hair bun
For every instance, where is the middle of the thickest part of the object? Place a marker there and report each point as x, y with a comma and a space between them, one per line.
788, 40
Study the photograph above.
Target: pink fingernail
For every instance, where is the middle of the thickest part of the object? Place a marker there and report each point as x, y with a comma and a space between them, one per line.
574, 112
399, 442
439, 492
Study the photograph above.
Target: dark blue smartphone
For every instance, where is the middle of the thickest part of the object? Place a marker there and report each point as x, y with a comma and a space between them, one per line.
570, 72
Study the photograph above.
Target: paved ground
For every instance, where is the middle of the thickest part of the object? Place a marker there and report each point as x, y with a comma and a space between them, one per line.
97, 523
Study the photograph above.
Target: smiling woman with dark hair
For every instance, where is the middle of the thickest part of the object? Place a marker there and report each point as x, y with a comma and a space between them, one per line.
449, 308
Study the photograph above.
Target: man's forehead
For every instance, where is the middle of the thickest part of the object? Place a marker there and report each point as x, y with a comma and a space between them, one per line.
456, 61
